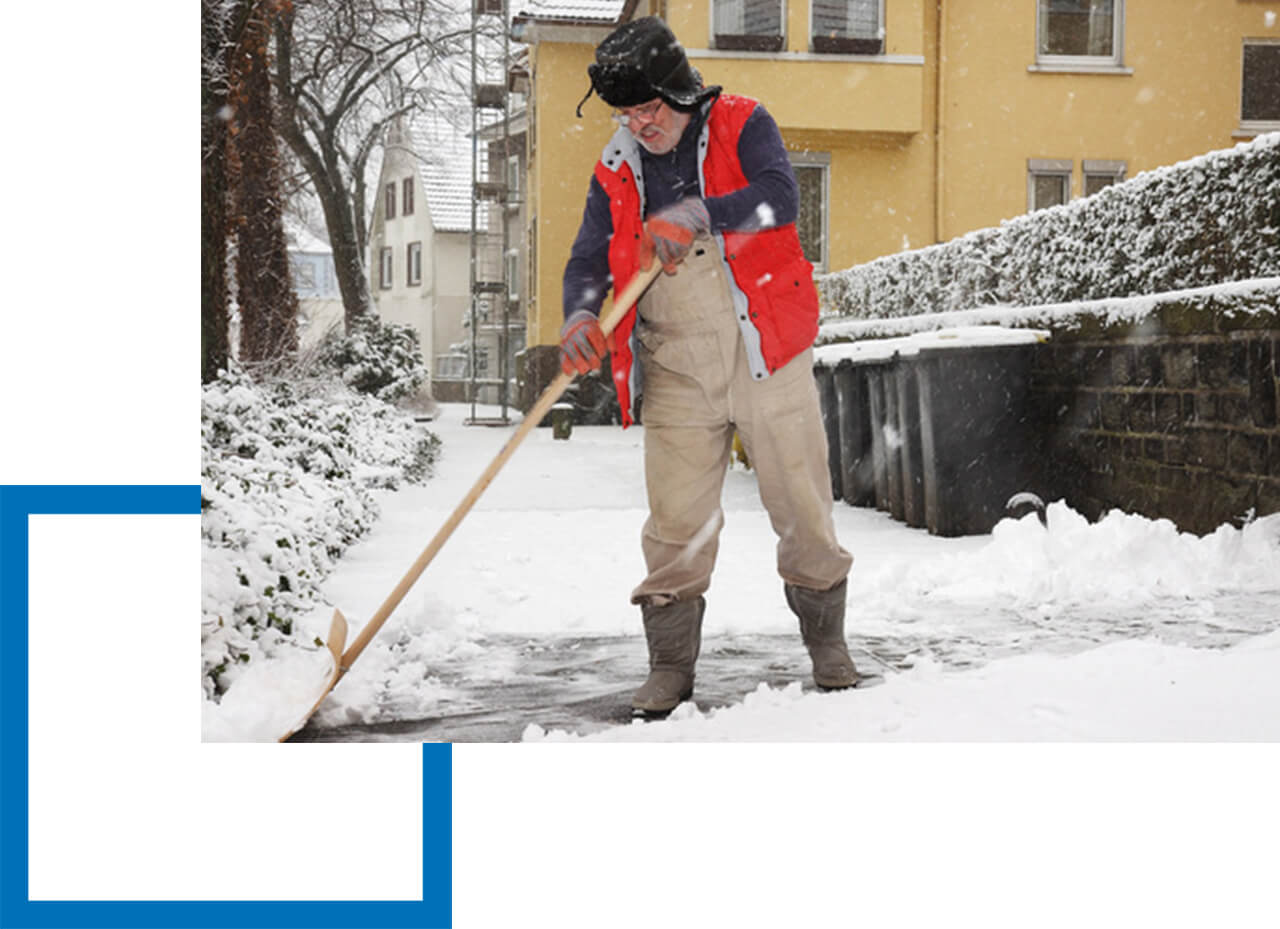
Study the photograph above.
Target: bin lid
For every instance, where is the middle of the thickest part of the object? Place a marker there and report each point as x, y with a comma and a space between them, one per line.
869, 351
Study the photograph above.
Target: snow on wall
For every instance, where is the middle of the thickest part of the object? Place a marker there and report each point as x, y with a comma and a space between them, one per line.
841, 337
1208, 220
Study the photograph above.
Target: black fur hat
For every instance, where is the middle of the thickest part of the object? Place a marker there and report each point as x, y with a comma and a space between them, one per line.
641, 60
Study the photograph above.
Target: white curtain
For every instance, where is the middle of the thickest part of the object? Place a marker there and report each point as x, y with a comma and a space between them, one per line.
748, 17
1101, 27
851, 19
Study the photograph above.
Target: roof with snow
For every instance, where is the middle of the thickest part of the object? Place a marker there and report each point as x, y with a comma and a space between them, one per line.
446, 176
303, 240
606, 11
444, 165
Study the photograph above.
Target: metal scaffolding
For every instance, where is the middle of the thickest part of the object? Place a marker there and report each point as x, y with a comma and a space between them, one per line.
494, 266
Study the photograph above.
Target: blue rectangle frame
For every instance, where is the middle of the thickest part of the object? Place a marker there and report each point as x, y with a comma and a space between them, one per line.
17, 503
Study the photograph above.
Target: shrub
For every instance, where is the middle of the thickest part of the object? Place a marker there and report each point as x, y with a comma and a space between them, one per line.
288, 476
378, 358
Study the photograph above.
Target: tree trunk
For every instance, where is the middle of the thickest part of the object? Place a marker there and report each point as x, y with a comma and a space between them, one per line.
268, 302
214, 349
348, 249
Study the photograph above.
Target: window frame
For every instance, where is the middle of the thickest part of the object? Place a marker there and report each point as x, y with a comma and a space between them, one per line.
305, 278
386, 268
1255, 126
512, 260
847, 45
413, 264
406, 196
746, 42
1049, 167
513, 180
389, 201
821, 161
1112, 62
1094, 167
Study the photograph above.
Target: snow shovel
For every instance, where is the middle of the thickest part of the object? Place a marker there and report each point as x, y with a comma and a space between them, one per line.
342, 661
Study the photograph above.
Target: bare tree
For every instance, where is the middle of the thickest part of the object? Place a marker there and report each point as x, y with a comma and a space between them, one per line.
345, 70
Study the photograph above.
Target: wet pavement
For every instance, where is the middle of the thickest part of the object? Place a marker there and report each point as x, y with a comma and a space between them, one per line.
584, 684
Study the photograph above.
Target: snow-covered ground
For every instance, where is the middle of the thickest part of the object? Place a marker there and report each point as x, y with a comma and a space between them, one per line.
1120, 630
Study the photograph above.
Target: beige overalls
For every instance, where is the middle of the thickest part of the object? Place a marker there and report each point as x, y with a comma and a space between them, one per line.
697, 390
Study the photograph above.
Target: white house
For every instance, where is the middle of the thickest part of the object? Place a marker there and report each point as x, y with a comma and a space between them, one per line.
316, 283
419, 245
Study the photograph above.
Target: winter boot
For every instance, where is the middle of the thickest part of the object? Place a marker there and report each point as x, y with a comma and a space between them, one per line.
674, 633
821, 614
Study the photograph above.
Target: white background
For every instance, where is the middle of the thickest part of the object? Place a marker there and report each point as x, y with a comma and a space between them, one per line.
99, 379
126, 802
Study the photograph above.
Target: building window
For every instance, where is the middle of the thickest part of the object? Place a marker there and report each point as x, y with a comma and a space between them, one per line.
384, 269
747, 25
813, 172
390, 201
406, 198
513, 275
1100, 174
413, 263
1048, 182
304, 276
513, 180
848, 26
1076, 33
1260, 86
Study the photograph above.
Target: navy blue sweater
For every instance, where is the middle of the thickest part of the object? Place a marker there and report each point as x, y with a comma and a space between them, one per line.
771, 193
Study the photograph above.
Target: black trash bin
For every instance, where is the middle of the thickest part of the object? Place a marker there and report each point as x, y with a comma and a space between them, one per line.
976, 435
856, 464
906, 381
829, 403
884, 427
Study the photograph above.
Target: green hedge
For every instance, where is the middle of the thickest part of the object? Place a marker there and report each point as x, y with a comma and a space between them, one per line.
1211, 219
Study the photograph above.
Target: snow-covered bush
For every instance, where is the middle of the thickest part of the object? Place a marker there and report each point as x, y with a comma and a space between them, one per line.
1209, 220
376, 357
287, 478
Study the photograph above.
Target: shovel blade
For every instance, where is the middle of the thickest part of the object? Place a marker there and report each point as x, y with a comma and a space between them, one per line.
335, 643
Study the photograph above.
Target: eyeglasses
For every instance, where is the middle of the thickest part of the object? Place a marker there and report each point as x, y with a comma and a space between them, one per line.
635, 114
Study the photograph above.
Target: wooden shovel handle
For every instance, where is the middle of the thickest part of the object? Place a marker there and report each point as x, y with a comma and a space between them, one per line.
555, 389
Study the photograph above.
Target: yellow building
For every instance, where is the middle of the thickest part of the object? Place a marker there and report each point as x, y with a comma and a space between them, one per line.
912, 122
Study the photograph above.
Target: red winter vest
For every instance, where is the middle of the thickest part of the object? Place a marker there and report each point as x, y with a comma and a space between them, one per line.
775, 298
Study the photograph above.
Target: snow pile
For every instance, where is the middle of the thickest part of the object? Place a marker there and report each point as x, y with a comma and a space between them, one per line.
288, 470
1204, 221
1123, 561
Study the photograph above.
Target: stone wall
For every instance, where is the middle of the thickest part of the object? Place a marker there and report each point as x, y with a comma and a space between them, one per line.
1174, 417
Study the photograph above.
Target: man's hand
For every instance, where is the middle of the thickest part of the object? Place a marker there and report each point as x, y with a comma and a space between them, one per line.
582, 343
670, 232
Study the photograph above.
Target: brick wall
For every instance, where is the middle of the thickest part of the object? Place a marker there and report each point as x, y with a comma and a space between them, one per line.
1173, 417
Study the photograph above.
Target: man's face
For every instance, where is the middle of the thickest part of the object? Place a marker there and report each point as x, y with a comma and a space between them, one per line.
654, 124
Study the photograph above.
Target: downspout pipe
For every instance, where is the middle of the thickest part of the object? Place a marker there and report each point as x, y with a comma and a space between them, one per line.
939, 120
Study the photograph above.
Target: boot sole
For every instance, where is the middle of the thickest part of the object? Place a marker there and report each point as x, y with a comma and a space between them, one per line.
646, 712
827, 688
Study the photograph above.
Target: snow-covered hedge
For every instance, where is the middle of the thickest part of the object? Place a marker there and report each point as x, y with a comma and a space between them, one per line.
1211, 219
289, 469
